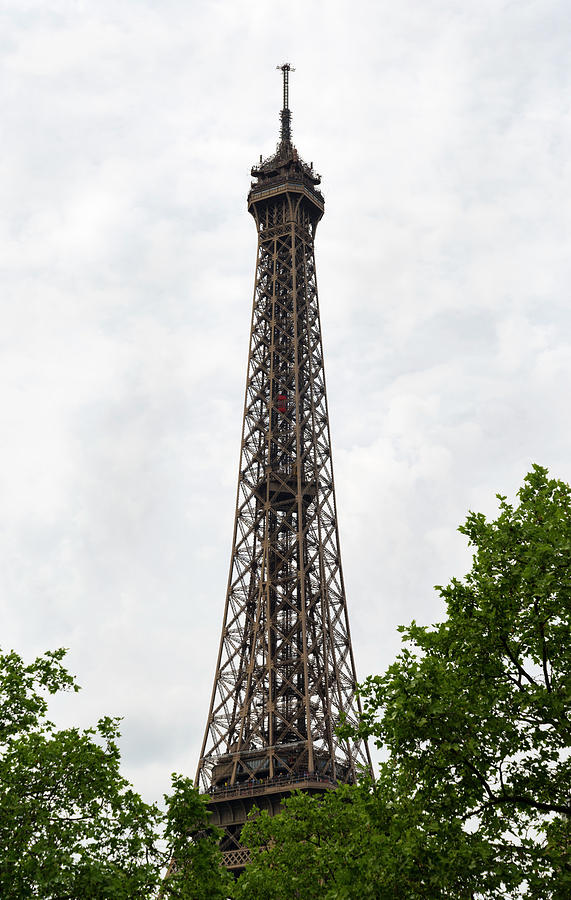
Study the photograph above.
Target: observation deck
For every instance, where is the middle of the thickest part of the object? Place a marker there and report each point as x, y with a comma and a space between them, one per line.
269, 189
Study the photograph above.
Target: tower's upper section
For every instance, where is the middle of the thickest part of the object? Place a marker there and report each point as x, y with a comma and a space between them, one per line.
285, 172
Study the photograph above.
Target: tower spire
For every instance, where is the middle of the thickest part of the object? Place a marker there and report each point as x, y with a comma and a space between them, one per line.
285, 114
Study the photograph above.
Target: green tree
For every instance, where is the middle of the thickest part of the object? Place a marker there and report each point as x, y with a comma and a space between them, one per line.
70, 824
318, 846
473, 799
475, 711
71, 827
196, 871
362, 842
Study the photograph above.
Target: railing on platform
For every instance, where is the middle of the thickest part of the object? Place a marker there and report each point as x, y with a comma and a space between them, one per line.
259, 786
258, 192
236, 859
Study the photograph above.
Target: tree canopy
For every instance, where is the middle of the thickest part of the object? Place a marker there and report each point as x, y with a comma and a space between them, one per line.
196, 871
473, 799
71, 826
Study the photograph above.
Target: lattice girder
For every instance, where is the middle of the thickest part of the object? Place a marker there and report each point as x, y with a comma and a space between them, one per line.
285, 672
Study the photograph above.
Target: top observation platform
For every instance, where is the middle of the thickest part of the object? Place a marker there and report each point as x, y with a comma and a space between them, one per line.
285, 171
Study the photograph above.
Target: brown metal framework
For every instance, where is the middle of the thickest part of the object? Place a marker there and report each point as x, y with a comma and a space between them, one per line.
285, 674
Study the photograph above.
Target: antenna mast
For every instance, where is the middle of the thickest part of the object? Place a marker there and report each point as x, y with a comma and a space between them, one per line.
285, 114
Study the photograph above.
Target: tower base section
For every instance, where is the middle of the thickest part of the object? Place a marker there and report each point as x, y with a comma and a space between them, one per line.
230, 807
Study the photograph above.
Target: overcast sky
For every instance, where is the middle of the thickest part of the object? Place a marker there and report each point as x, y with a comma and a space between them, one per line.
442, 130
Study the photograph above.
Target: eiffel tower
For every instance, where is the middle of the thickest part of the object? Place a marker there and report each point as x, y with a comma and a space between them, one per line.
285, 674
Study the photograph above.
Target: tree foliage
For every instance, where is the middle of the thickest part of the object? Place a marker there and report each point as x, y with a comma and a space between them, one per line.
196, 871
371, 841
318, 846
71, 826
473, 799
477, 708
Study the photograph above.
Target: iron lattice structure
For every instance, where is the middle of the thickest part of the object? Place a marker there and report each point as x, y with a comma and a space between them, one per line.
285, 674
